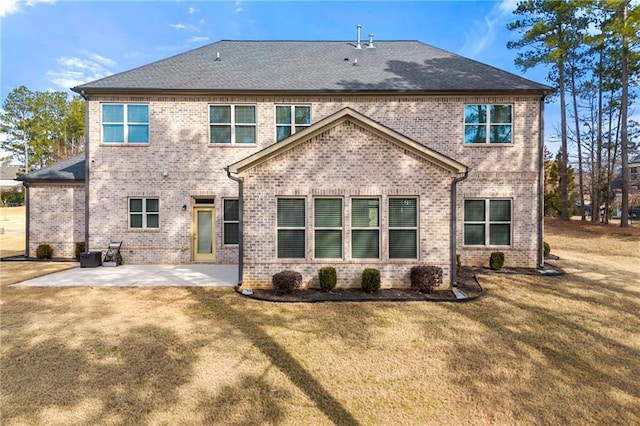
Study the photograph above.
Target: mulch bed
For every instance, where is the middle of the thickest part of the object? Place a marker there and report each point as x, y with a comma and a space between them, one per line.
467, 282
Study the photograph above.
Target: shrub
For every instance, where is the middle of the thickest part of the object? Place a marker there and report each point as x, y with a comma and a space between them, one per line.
79, 249
496, 261
370, 280
425, 278
44, 251
285, 282
458, 264
328, 278
547, 249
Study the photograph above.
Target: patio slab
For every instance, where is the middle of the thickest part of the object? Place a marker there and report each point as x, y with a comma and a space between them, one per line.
193, 275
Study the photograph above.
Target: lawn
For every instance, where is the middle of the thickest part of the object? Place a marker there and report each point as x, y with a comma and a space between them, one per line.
533, 350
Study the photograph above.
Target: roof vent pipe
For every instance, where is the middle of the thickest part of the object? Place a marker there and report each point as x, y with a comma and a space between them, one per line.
358, 45
371, 46
217, 56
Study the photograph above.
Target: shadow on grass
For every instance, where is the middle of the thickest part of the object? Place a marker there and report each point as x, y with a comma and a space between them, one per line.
248, 324
120, 382
551, 363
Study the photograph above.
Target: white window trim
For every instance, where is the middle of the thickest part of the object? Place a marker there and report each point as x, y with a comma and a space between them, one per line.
224, 221
404, 228
322, 228
487, 222
144, 213
487, 125
293, 124
292, 228
125, 123
367, 228
232, 125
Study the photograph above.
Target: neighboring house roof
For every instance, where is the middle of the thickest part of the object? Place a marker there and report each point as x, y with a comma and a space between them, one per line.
348, 114
71, 169
315, 66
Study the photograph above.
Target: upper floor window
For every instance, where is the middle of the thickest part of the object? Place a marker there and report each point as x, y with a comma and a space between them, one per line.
487, 222
291, 119
232, 124
485, 124
144, 213
633, 173
125, 123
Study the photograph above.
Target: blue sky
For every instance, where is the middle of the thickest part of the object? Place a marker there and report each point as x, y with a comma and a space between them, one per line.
54, 45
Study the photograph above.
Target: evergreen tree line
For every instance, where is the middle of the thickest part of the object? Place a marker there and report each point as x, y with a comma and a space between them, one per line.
591, 49
41, 128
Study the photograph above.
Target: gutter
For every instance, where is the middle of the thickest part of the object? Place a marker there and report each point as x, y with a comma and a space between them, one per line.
240, 225
454, 231
26, 226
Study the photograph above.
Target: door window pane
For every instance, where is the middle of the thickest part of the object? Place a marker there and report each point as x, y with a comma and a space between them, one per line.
205, 232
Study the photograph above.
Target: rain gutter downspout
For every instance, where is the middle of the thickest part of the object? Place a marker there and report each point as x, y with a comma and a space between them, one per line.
453, 231
86, 171
540, 254
240, 225
26, 226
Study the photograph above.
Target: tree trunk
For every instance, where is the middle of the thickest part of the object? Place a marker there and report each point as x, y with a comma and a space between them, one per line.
624, 135
574, 93
564, 154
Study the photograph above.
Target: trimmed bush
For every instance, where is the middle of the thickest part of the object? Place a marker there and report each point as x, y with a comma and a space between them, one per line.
285, 282
44, 251
458, 264
496, 261
425, 278
79, 249
328, 278
370, 280
547, 249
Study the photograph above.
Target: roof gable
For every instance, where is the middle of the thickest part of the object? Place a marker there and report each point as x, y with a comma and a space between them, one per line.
348, 114
314, 66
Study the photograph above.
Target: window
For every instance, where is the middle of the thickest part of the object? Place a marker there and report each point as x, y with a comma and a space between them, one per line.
232, 124
496, 231
291, 228
365, 228
403, 228
291, 119
633, 173
231, 221
487, 124
125, 123
144, 213
327, 220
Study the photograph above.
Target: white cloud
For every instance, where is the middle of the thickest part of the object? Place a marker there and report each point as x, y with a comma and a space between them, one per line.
483, 33
193, 10
197, 40
238, 7
76, 70
188, 27
9, 7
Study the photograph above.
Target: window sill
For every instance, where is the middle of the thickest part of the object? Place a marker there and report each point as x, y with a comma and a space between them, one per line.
124, 144
487, 145
232, 145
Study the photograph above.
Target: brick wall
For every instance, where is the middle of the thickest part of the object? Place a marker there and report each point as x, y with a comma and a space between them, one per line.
56, 217
179, 144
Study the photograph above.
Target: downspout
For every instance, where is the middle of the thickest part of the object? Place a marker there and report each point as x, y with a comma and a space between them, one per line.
541, 187
240, 225
26, 225
86, 172
454, 227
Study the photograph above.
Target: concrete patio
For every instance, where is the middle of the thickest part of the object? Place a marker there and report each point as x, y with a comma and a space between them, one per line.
193, 275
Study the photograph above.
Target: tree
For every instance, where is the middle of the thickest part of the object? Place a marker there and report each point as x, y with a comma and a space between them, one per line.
552, 182
16, 123
550, 31
42, 127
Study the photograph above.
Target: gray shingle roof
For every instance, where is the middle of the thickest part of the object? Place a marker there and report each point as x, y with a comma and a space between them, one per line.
71, 169
315, 66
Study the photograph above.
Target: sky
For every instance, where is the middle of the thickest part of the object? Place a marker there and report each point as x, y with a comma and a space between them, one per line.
58, 44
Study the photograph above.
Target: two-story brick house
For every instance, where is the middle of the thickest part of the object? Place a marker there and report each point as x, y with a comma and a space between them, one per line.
304, 154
